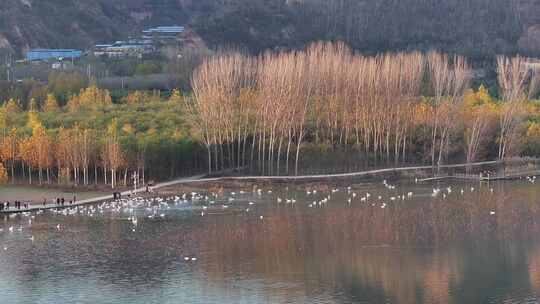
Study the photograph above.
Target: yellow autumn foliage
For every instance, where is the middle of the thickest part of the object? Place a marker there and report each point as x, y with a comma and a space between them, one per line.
128, 129
12, 106
477, 103
3, 174
51, 104
176, 96
91, 98
136, 97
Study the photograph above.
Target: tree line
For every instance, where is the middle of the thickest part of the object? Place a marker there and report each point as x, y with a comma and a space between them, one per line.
258, 111
92, 141
276, 113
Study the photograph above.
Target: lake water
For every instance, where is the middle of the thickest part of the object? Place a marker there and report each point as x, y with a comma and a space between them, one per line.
404, 243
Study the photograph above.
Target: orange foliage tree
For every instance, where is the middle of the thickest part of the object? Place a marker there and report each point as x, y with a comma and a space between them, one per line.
112, 155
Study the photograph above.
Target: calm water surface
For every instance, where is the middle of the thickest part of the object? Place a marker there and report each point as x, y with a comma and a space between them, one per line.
469, 243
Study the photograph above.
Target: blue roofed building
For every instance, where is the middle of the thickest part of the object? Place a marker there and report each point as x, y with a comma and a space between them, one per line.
53, 54
128, 48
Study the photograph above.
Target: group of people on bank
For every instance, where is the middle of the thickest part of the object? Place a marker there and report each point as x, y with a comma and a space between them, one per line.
60, 201
18, 205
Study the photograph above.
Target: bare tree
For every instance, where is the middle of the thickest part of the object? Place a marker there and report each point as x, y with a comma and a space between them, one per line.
515, 79
449, 81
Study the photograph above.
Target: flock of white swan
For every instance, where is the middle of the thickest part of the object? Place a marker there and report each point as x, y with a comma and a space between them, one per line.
137, 209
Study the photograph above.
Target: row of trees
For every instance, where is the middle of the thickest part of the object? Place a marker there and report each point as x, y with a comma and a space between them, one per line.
270, 111
68, 155
258, 111
92, 141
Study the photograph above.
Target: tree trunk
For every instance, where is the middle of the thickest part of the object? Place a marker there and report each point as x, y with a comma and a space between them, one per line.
113, 177
12, 172
209, 159
143, 174
298, 152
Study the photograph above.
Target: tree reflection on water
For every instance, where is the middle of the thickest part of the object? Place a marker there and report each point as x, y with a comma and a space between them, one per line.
462, 249
477, 247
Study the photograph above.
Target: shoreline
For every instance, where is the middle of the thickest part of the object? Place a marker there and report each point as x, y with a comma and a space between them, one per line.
35, 194
203, 181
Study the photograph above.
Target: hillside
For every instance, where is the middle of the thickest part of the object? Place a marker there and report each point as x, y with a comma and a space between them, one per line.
28, 24
475, 27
